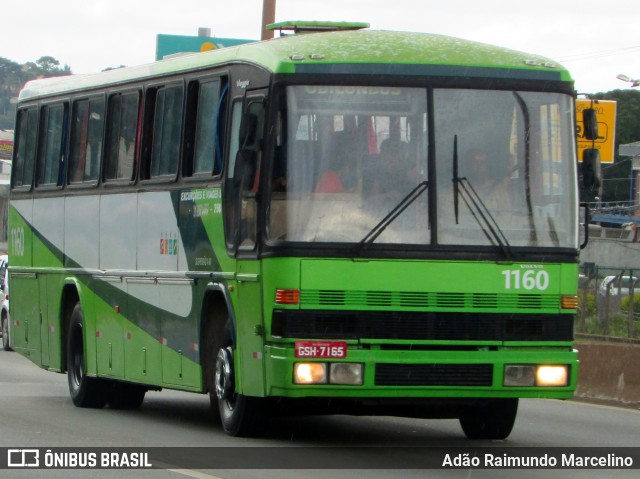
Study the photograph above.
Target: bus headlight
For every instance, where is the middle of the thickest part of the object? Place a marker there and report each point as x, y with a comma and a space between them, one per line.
552, 375
520, 375
310, 373
328, 373
346, 373
530, 375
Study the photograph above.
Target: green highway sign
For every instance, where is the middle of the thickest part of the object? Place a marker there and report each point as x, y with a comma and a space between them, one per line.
167, 45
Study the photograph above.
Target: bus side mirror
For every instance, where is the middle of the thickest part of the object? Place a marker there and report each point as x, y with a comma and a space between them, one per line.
591, 168
590, 121
585, 219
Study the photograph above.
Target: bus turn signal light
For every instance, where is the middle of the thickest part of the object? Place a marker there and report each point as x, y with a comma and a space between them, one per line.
569, 302
287, 296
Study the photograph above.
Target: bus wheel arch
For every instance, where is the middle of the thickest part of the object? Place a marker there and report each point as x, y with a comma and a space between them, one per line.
240, 415
215, 318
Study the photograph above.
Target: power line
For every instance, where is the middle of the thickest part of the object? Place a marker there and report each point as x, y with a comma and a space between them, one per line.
598, 54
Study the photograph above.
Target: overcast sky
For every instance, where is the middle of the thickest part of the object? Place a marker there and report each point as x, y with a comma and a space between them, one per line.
595, 40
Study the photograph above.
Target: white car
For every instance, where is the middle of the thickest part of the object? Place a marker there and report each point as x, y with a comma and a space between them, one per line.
5, 322
620, 287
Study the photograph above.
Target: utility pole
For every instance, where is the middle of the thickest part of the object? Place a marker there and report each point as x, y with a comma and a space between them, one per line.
268, 17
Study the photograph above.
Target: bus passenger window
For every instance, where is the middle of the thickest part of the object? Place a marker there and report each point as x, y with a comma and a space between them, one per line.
204, 128
86, 140
50, 153
162, 148
26, 135
122, 127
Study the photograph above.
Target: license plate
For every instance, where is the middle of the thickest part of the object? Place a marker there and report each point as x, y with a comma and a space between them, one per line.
321, 349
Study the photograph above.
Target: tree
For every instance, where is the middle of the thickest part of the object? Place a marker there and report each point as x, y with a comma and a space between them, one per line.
13, 76
47, 67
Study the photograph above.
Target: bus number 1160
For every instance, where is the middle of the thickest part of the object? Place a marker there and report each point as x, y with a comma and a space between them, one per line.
529, 279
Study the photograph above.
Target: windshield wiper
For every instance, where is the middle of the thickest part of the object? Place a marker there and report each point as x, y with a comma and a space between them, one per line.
527, 165
462, 188
397, 210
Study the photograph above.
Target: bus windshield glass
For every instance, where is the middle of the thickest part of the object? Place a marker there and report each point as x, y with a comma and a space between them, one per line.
348, 157
514, 167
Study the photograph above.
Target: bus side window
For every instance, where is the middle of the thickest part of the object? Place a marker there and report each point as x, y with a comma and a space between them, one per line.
122, 135
249, 172
163, 131
25, 148
87, 130
206, 108
50, 168
243, 174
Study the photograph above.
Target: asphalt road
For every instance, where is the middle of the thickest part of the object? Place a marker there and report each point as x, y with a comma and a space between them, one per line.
35, 411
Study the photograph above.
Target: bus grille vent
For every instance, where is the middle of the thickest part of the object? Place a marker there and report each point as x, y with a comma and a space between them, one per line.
421, 326
434, 375
419, 300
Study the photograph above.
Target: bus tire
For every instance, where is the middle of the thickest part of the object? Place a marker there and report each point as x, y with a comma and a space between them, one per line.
240, 415
490, 420
125, 395
5, 334
85, 391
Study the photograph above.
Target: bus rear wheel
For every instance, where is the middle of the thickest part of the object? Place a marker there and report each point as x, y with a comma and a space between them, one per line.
84, 390
491, 419
240, 415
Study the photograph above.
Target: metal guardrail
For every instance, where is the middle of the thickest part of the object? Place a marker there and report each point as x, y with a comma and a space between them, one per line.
615, 212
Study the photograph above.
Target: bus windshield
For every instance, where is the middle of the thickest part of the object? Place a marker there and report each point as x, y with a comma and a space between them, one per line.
348, 156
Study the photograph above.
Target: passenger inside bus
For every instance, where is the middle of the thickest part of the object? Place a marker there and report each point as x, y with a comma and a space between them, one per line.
334, 178
490, 183
394, 176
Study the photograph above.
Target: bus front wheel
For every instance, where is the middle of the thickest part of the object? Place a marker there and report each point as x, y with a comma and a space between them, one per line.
241, 415
84, 390
490, 419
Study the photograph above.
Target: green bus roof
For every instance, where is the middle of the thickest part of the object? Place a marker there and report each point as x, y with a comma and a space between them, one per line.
344, 51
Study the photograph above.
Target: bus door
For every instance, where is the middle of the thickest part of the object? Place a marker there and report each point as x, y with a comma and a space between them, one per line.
242, 195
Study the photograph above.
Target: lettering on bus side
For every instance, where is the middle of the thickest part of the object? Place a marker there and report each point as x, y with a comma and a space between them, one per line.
528, 277
17, 241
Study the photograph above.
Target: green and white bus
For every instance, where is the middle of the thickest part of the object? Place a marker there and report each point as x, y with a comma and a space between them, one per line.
339, 220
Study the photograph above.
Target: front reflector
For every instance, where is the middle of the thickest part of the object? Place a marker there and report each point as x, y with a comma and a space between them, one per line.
345, 373
310, 373
552, 375
519, 375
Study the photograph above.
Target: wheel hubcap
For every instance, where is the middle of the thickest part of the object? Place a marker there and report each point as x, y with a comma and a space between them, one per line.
224, 375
